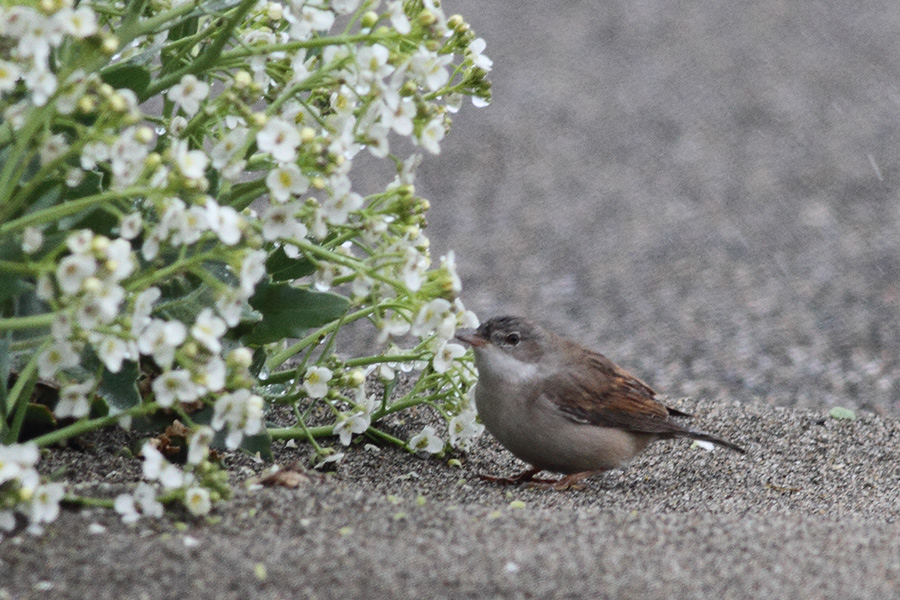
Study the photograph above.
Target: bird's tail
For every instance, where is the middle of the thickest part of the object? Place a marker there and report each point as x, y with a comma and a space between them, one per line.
706, 437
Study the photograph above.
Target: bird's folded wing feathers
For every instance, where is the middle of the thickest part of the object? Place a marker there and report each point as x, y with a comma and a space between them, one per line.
607, 396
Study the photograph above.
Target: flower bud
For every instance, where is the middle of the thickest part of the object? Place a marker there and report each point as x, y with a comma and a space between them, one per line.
92, 285
307, 135
144, 135
110, 44
87, 105
99, 244
368, 19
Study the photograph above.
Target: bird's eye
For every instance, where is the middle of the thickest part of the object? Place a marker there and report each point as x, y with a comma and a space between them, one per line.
513, 338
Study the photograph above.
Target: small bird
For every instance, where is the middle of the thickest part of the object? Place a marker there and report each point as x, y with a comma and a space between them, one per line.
561, 407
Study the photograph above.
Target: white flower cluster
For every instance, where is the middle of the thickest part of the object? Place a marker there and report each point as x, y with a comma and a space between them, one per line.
35, 36
21, 490
165, 479
203, 193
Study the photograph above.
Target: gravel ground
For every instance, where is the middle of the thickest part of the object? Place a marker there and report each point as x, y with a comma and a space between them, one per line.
705, 192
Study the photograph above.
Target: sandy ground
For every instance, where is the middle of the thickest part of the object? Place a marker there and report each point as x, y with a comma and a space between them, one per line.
707, 193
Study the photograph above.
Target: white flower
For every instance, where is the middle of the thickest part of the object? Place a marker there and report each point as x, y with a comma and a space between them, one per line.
280, 139
32, 240
192, 163
344, 7
119, 260
61, 355
253, 269
230, 305
310, 19
143, 308
81, 241
432, 316
211, 376
113, 351
445, 355
16, 460
280, 222
196, 500
130, 226
315, 382
348, 424
394, 326
224, 221
73, 270
198, 444
160, 339
430, 68
124, 505
145, 496
464, 429
52, 148
9, 75
475, 55
80, 23
286, 180
432, 134
208, 329
73, 400
242, 412
427, 440
174, 385
7, 520
42, 85
188, 93
342, 201
398, 17
156, 467
398, 113
153, 461
44, 506
100, 303
92, 153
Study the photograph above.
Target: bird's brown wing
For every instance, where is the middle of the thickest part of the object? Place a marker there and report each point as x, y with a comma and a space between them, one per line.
606, 395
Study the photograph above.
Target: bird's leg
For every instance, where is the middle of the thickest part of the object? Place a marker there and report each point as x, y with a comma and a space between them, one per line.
525, 476
569, 482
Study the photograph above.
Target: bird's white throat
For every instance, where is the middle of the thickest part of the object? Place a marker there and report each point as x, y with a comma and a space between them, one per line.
495, 364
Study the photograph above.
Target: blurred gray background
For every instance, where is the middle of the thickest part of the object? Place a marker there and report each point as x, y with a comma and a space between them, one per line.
704, 191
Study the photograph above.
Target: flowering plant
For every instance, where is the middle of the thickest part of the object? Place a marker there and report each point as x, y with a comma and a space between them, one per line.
177, 199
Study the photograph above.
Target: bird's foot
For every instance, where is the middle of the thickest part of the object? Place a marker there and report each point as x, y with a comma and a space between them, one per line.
569, 482
526, 476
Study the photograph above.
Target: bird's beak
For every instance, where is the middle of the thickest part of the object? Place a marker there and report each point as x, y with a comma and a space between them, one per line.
471, 337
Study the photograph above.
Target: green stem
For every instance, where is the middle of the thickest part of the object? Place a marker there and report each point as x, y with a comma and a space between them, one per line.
377, 433
89, 502
167, 272
208, 58
320, 42
81, 427
293, 433
71, 207
15, 163
7, 266
279, 358
29, 322
18, 397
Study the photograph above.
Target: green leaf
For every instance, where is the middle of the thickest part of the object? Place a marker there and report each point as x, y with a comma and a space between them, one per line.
127, 75
120, 389
283, 268
842, 414
288, 311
